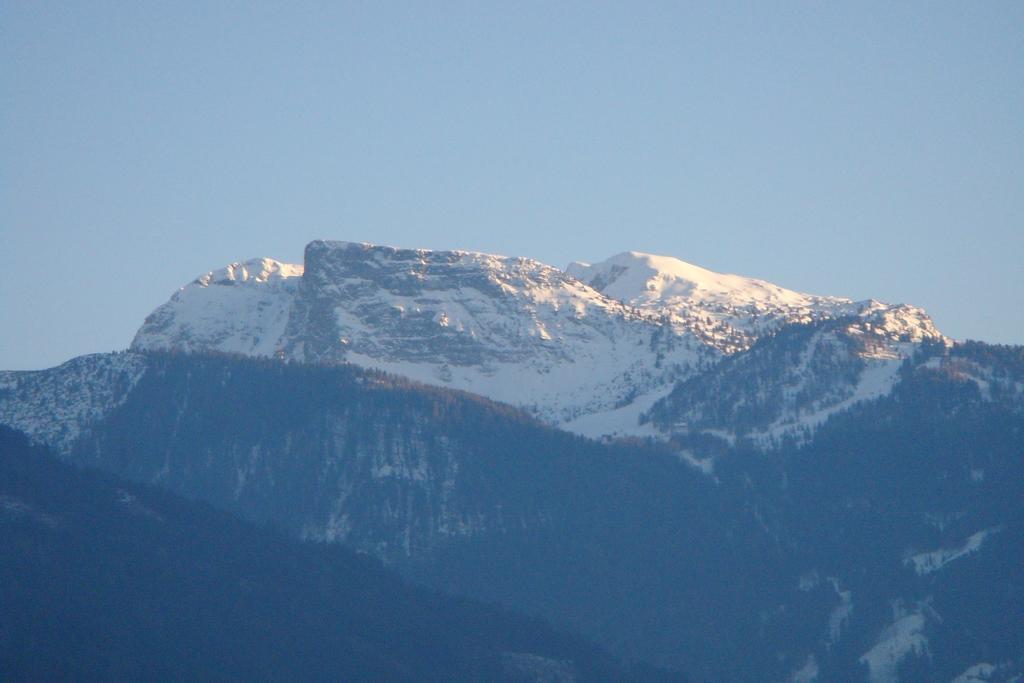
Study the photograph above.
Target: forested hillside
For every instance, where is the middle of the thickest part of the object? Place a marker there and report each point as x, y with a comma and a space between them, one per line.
106, 580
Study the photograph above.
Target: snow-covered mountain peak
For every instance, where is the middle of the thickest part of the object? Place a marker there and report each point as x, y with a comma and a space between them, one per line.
253, 271
240, 308
652, 280
897, 322
731, 312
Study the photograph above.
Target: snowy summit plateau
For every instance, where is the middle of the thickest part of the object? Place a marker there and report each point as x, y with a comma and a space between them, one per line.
591, 348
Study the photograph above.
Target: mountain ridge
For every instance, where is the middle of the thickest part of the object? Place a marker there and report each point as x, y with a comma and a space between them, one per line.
590, 348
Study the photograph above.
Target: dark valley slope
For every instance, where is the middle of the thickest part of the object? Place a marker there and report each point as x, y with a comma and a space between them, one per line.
106, 580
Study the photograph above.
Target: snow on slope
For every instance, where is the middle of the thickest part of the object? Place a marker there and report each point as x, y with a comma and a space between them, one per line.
241, 308
727, 311
730, 312
904, 637
876, 377
808, 673
926, 563
976, 673
789, 383
645, 279
55, 406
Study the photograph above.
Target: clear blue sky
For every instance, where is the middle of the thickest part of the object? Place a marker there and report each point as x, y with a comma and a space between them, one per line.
858, 149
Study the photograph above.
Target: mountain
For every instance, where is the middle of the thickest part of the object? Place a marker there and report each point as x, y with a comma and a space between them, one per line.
731, 312
728, 312
814, 488
589, 349
886, 544
812, 355
107, 580
791, 380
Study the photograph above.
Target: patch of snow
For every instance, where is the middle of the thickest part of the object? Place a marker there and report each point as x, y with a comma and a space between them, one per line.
621, 421
809, 581
131, 502
905, 636
16, 507
704, 465
807, 673
530, 667
258, 270
840, 615
926, 563
976, 673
